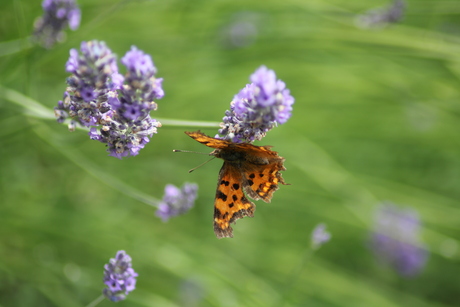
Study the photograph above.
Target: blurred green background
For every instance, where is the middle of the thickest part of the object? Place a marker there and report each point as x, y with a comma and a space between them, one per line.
376, 119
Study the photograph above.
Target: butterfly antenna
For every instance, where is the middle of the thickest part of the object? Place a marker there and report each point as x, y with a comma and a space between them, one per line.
200, 165
189, 151
201, 153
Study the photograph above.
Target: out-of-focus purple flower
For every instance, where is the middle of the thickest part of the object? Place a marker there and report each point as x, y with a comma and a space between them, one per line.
177, 201
191, 292
396, 240
57, 15
242, 30
319, 236
119, 277
98, 96
241, 34
257, 108
378, 18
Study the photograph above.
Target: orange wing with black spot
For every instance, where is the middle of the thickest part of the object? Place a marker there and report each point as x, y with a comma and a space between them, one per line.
261, 181
250, 169
230, 204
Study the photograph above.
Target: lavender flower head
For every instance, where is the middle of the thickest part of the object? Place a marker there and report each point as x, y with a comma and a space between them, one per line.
177, 201
319, 236
396, 240
141, 87
98, 96
57, 15
90, 86
378, 18
257, 108
119, 277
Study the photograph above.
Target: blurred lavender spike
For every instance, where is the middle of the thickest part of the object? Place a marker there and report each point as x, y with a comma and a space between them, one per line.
57, 15
177, 201
378, 18
119, 277
319, 236
396, 239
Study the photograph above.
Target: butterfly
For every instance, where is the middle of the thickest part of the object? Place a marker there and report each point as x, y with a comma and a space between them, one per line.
248, 171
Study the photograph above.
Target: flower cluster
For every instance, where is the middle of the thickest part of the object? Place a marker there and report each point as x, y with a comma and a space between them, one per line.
396, 240
257, 108
119, 277
57, 15
98, 96
378, 18
177, 201
319, 236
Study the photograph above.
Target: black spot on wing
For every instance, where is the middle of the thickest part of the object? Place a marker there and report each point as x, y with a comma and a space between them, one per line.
221, 195
217, 213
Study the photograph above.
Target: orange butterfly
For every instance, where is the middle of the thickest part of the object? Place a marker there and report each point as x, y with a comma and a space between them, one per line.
249, 168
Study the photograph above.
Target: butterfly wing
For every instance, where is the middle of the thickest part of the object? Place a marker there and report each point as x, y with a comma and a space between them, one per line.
207, 140
262, 173
230, 204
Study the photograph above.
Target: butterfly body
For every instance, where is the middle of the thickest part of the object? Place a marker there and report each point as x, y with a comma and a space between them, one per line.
248, 170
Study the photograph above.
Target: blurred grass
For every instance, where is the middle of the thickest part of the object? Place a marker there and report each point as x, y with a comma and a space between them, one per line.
376, 119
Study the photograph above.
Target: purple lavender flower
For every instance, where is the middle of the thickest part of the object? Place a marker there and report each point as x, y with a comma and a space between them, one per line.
57, 15
396, 240
85, 100
137, 96
377, 18
177, 201
119, 277
126, 139
257, 108
140, 66
98, 96
319, 236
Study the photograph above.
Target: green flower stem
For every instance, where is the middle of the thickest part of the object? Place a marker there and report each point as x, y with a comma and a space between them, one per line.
15, 46
35, 109
32, 107
187, 123
96, 301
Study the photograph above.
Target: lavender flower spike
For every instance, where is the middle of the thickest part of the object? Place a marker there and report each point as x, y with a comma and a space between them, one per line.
89, 87
119, 277
57, 15
132, 126
319, 236
98, 96
396, 240
379, 18
177, 201
257, 108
